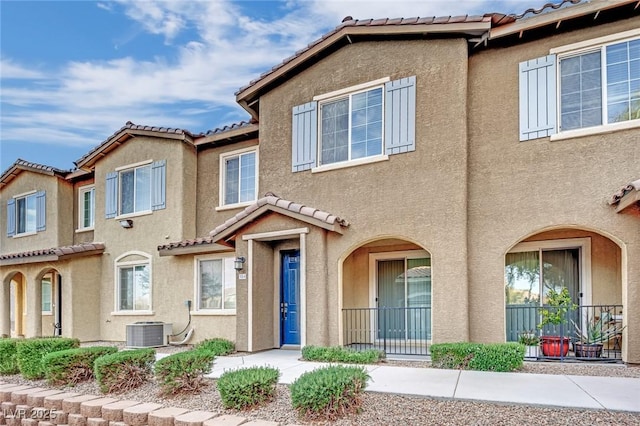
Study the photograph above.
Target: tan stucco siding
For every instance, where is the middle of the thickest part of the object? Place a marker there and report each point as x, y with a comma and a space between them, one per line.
59, 214
518, 189
416, 210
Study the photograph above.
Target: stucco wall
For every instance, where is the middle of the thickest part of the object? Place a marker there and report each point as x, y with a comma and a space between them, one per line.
418, 211
517, 189
59, 217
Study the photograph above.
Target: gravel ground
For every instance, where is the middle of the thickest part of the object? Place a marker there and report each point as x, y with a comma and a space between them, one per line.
386, 409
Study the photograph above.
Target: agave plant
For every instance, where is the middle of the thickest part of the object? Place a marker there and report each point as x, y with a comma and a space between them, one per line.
598, 330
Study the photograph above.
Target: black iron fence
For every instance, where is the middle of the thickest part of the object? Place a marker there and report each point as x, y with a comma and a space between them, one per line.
587, 333
400, 331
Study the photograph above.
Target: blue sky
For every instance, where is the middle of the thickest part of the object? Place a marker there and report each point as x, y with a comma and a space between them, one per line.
73, 72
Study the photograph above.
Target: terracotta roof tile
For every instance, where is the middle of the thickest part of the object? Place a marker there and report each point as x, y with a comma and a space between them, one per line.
133, 127
548, 7
230, 127
186, 243
21, 164
632, 186
55, 251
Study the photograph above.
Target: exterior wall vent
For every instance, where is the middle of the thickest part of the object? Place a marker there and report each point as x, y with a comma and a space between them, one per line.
148, 334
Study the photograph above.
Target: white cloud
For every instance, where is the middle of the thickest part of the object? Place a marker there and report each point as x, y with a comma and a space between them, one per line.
221, 48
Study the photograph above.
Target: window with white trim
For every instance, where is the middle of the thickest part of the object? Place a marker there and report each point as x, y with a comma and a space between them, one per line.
133, 285
135, 190
355, 125
47, 294
351, 126
86, 207
600, 86
589, 87
215, 285
239, 177
26, 214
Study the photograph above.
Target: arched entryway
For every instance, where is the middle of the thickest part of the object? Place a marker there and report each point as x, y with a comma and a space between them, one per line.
387, 297
586, 263
50, 282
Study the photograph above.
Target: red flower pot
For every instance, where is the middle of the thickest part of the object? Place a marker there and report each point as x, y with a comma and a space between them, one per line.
554, 346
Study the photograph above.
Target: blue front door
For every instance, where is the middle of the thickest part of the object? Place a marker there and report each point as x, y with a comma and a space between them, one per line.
289, 298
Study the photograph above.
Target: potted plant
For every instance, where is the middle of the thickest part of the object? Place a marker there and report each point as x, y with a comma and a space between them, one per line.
531, 341
596, 331
555, 313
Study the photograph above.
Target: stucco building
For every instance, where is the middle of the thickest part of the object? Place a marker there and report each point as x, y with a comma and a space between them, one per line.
400, 180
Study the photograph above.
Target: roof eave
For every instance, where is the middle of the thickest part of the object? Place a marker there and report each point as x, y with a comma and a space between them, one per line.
122, 136
229, 135
630, 201
555, 17
16, 169
249, 94
51, 257
195, 249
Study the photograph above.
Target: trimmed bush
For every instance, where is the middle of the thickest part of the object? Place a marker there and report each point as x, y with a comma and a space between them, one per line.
217, 346
248, 387
125, 370
341, 354
9, 356
73, 366
183, 372
478, 356
32, 351
329, 392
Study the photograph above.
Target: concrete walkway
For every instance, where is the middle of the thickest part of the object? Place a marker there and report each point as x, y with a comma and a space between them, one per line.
611, 393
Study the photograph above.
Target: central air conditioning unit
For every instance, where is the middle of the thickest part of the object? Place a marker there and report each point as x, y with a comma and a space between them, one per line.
148, 334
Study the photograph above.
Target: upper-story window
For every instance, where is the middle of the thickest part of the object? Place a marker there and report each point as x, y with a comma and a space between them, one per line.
356, 125
585, 88
351, 126
600, 86
26, 214
239, 177
135, 189
86, 207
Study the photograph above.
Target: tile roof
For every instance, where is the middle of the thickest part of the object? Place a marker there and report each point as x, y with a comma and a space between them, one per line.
59, 252
131, 128
268, 202
632, 186
19, 165
271, 199
350, 22
235, 126
548, 7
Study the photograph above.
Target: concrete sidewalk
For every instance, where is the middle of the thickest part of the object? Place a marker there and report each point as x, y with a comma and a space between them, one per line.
610, 393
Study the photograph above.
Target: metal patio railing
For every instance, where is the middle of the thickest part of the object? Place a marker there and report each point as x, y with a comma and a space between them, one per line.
398, 331
601, 323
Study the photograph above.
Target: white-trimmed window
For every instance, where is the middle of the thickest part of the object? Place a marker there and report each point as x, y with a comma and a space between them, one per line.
356, 125
585, 88
215, 285
136, 189
47, 294
600, 86
351, 126
86, 207
26, 214
133, 284
239, 177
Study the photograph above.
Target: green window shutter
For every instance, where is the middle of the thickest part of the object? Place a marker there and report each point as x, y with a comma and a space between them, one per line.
158, 185
400, 116
304, 136
538, 98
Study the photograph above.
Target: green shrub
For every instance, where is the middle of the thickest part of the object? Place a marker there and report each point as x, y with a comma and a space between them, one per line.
123, 371
478, 356
217, 346
248, 387
31, 352
329, 392
341, 354
183, 372
9, 356
73, 366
